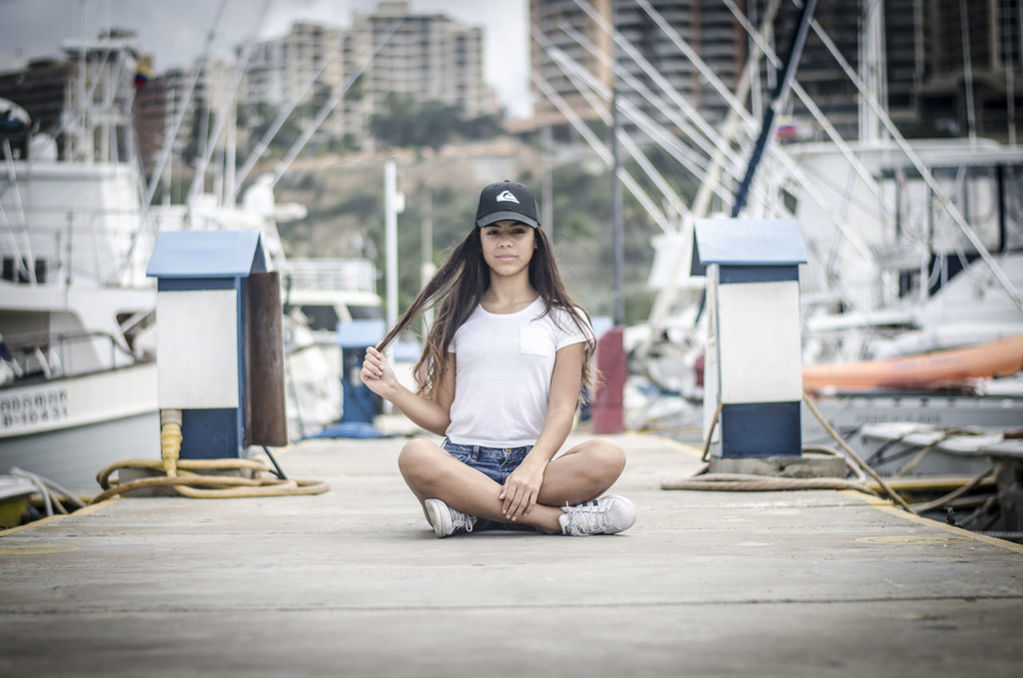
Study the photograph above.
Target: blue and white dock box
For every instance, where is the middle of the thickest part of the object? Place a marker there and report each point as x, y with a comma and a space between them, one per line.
753, 364
219, 341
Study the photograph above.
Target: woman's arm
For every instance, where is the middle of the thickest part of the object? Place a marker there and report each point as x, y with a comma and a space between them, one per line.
522, 487
433, 414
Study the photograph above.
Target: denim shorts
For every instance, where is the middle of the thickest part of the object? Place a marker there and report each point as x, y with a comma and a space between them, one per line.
496, 463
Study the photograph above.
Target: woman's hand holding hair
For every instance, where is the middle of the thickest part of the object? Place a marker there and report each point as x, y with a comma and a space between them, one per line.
521, 490
377, 374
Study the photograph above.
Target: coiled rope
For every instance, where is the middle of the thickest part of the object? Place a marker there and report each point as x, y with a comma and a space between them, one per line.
752, 483
181, 475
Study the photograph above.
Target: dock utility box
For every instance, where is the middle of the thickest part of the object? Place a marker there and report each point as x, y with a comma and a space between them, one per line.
220, 356
753, 364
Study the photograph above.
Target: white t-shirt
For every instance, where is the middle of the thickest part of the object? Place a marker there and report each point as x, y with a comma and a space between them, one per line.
503, 369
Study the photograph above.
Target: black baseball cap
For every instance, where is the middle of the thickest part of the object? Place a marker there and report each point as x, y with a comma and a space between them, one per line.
507, 200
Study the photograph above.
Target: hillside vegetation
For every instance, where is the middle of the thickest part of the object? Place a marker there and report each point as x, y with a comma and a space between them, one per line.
344, 197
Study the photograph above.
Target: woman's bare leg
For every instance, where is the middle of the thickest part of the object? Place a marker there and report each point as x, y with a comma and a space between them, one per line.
431, 472
582, 473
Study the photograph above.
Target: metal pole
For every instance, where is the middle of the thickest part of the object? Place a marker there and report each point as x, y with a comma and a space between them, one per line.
427, 268
778, 98
547, 186
618, 314
391, 235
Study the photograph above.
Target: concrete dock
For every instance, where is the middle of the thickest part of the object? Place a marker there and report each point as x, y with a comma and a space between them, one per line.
353, 583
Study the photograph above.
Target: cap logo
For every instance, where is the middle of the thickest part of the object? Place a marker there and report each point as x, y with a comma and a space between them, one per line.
507, 196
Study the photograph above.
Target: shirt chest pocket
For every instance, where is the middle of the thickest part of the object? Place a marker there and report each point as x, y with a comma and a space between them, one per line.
534, 341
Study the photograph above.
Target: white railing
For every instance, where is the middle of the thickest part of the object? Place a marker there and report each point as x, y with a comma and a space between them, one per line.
67, 243
49, 356
331, 274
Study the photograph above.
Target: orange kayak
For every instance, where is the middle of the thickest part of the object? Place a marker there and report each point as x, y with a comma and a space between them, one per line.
995, 359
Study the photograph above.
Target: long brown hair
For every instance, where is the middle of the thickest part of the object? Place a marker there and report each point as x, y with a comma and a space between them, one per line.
456, 289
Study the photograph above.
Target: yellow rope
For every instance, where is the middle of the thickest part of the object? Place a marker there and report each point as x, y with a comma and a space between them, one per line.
180, 473
222, 487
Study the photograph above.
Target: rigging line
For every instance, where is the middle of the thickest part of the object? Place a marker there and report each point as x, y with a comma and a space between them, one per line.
145, 219
669, 144
925, 172
779, 99
601, 150
587, 90
1010, 77
788, 165
19, 206
282, 117
694, 57
971, 120
711, 182
662, 106
774, 152
186, 100
747, 82
65, 121
690, 111
225, 112
652, 173
814, 110
307, 134
704, 143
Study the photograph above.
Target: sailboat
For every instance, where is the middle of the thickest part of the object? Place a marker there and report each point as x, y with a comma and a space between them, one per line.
915, 246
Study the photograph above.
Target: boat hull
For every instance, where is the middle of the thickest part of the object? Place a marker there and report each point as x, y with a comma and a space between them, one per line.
68, 429
940, 368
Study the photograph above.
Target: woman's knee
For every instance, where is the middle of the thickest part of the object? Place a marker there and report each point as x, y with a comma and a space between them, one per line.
417, 459
609, 457
605, 460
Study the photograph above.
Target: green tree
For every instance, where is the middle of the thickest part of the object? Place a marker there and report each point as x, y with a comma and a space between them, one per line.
260, 116
194, 145
404, 123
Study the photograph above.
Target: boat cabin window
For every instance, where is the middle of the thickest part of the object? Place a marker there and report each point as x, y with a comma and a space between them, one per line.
320, 316
365, 312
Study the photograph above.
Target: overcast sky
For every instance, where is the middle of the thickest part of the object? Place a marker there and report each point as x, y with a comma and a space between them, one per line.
176, 30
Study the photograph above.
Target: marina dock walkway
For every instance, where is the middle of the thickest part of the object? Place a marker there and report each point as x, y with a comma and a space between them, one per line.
353, 583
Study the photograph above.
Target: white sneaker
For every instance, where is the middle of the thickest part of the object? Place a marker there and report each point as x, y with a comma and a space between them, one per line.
607, 515
446, 520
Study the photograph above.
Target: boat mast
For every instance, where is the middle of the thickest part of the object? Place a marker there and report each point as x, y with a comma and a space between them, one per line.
778, 100
971, 120
872, 69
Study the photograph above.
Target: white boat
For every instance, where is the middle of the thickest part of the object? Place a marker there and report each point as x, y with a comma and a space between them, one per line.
319, 295
77, 314
78, 379
913, 246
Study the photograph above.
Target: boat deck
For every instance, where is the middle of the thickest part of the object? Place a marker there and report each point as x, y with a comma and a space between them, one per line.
353, 583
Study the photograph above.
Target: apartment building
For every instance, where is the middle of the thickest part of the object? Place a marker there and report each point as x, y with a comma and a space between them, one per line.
706, 26
428, 57
303, 66
918, 60
976, 46
165, 100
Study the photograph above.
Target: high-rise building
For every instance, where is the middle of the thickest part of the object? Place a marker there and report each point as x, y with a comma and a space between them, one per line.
565, 26
427, 57
705, 26
213, 96
972, 55
911, 54
279, 72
